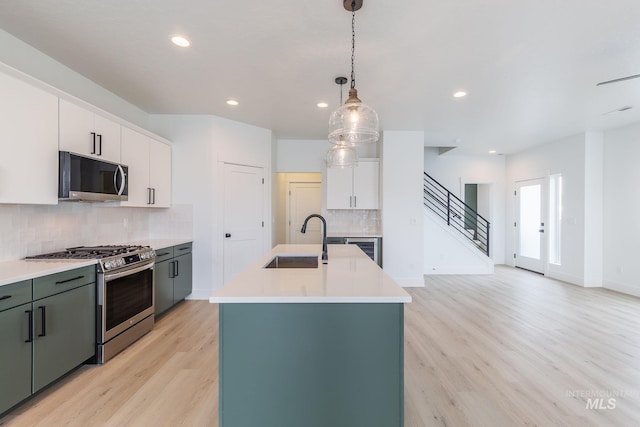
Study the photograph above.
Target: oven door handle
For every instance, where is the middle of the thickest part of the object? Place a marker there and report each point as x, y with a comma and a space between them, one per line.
111, 276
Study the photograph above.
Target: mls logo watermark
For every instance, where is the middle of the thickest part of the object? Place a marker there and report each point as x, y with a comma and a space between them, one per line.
602, 399
601, 403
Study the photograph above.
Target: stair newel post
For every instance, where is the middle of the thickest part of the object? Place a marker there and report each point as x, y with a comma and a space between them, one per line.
448, 208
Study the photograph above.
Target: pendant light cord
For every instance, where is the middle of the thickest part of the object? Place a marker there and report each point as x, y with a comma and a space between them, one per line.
353, 42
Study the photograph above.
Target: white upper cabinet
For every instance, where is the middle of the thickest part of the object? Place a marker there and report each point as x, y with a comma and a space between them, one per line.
160, 173
149, 163
354, 188
89, 134
29, 143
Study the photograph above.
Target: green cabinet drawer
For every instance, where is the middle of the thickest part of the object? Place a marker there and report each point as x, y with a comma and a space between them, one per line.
55, 283
164, 254
15, 294
15, 356
182, 249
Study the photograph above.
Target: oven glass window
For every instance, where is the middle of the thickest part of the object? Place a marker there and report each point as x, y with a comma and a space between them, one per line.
128, 296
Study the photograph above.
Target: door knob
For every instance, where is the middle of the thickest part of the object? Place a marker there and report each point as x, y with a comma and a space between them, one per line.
227, 235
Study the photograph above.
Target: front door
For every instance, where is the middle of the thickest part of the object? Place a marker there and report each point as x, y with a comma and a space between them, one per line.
243, 220
530, 241
305, 198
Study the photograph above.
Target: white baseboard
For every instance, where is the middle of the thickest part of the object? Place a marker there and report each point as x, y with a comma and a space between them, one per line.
200, 294
461, 269
624, 288
410, 282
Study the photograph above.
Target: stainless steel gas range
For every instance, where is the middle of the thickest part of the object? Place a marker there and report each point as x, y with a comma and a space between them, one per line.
125, 293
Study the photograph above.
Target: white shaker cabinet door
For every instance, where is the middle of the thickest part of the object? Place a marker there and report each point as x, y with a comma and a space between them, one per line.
135, 155
366, 187
108, 133
29, 143
89, 134
339, 188
160, 173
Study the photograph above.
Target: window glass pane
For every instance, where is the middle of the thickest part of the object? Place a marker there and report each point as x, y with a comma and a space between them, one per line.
530, 221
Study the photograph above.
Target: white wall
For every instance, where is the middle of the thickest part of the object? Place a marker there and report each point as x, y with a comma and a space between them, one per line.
295, 155
201, 146
453, 172
449, 253
593, 209
621, 236
402, 212
567, 157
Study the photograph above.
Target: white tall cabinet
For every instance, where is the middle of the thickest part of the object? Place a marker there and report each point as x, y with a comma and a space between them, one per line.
29, 142
149, 163
89, 134
354, 188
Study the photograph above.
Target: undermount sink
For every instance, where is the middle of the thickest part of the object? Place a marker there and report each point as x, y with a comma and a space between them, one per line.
293, 261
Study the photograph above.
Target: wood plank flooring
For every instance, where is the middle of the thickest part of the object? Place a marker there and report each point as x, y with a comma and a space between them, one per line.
509, 349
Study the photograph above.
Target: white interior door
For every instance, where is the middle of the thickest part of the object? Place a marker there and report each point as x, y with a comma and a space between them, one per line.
530, 237
243, 220
305, 198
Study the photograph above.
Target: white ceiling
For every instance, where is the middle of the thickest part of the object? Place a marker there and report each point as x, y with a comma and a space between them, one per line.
530, 68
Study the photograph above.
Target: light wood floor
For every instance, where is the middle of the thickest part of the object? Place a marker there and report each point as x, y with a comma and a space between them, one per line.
510, 349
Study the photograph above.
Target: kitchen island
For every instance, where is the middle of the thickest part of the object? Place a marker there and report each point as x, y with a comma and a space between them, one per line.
316, 346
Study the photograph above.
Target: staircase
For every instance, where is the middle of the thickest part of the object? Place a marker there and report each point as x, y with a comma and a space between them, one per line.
459, 216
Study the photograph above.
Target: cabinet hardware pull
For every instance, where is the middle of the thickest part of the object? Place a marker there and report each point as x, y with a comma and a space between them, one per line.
93, 150
183, 249
69, 280
148, 195
162, 254
350, 201
177, 270
3, 297
172, 269
30, 321
43, 323
99, 145
355, 201
153, 191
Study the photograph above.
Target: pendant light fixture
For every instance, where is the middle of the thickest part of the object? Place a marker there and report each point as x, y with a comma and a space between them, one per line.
341, 155
354, 122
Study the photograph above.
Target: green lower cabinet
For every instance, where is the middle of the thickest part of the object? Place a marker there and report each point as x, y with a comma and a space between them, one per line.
65, 333
173, 276
164, 286
47, 328
15, 356
182, 282
312, 365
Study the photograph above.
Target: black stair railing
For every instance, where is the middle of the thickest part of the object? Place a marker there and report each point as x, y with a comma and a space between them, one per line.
456, 213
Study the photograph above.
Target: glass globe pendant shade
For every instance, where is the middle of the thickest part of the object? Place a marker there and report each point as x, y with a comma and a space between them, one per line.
353, 123
342, 156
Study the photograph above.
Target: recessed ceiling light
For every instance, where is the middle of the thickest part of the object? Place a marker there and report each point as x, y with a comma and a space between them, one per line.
322, 105
460, 94
492, 151
232, 102
180, 41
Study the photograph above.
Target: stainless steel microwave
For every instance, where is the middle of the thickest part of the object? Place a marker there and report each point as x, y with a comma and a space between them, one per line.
87, 179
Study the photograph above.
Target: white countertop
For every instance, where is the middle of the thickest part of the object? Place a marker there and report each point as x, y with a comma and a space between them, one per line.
19, 270
349, 277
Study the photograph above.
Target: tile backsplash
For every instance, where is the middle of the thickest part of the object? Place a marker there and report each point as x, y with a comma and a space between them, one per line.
357, 221
34, 229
